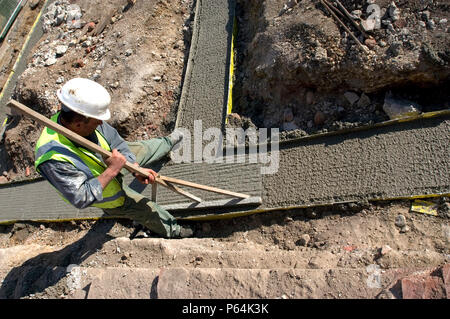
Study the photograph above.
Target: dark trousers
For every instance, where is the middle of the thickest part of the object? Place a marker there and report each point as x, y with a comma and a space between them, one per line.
140, 208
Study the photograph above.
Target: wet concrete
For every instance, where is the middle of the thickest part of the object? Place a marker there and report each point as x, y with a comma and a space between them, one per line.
38, 200
235, 177
388, 162
205, 88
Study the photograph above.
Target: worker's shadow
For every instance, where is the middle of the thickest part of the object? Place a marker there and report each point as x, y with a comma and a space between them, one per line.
47, 269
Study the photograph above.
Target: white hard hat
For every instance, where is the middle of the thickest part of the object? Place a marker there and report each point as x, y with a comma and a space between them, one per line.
86, 97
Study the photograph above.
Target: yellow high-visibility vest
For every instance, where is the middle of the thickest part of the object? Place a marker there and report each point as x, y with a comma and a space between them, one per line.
54, 146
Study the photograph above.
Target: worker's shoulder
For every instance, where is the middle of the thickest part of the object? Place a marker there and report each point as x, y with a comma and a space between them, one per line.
109, 133
106, 128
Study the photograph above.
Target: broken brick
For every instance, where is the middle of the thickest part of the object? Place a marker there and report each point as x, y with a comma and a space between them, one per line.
90, 26
422, 287
371, 43
446, 277
78, 64
350, 248
90, 49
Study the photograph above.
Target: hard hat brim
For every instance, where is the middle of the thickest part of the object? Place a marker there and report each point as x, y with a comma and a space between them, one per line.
103, 117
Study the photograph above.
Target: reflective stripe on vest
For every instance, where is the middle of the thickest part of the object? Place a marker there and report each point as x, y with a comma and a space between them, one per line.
54, 146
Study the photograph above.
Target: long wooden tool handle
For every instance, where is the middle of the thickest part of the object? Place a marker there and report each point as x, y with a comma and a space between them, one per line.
203, 187
132, 168
90, 145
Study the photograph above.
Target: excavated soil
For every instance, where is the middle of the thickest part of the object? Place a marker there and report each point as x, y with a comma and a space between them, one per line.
336, 240
146, 42
299, 70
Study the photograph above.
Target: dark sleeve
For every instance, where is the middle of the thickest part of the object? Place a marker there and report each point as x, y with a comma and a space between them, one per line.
116, 141
72, 183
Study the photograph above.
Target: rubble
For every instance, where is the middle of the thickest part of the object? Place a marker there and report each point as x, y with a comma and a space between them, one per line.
304, 240
364, 101
33, 4
60, 16
288, 115
369, 24
319, 118
394, 12
398, 108
290, 126
351, 97
316, 61
61, 49
62, 11
400, 221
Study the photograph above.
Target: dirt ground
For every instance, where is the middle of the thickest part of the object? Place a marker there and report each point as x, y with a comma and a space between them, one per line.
146, 43
140, 57
332, 239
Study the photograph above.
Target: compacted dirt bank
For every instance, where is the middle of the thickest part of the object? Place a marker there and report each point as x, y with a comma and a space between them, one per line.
335, 252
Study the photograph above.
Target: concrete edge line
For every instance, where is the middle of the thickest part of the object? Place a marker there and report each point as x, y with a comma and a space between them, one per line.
25, 44
188, 73
220, 216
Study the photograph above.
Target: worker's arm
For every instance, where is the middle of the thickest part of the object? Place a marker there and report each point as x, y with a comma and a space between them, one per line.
72, 183
116, 141
115, 163
80, 190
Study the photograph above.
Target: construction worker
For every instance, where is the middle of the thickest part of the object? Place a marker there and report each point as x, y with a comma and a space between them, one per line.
84, 178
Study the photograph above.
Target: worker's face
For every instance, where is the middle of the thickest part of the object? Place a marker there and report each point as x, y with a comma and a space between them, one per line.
87, 126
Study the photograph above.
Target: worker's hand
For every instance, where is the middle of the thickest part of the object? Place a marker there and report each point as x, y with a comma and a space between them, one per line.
116, 161
149, 179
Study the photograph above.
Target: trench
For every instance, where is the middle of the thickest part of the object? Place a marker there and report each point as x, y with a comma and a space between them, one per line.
404, 159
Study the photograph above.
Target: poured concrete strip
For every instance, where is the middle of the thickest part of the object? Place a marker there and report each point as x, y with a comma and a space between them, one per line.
38, 200
205, 88
410, 159
407, 160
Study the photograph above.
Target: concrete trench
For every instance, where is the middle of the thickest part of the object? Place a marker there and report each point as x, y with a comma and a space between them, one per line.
395, 161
